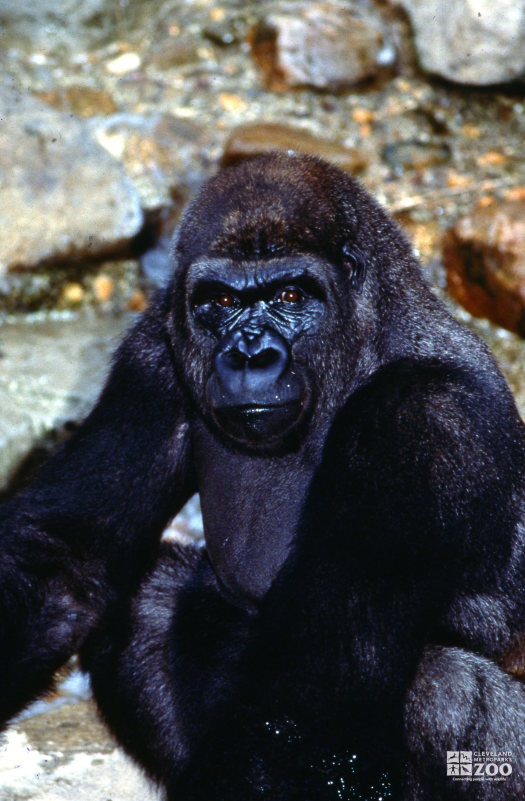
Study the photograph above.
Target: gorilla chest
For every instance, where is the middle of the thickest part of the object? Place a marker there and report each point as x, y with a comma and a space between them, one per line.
250, 508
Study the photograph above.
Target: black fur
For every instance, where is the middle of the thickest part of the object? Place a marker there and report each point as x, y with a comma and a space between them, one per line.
361, 466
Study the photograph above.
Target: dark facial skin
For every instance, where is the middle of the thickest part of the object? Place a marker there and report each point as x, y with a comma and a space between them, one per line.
261, 366
257, 393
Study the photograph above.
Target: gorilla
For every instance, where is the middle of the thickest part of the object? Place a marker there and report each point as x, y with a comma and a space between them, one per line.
358, 609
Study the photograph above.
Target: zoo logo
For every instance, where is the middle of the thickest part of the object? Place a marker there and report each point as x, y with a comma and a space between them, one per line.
486, 765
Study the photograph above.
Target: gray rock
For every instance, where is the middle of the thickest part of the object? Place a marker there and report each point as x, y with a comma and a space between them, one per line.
67, 25
186, 528
324, 45
66, 753
159, 152
478, 42
51, 372
62, 196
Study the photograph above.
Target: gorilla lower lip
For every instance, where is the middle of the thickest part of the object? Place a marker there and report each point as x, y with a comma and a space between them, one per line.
252, 423
271, 407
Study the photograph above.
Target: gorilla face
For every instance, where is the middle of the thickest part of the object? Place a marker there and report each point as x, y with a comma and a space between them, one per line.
259, 316
272, 318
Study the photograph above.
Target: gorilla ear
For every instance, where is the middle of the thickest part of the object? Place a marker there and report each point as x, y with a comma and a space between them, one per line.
354, 263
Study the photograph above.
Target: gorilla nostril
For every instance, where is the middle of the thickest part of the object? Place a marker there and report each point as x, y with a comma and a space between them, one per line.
265, 358
245, 365
235, 360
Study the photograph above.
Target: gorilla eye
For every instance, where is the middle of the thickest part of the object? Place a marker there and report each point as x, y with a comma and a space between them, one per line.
290, 296
223, 300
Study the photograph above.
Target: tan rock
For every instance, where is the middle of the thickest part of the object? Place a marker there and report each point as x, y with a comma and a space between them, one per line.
83, 101
256, 138
484, 254
323, 45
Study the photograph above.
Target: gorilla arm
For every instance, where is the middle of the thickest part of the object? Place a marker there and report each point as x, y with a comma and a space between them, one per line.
87, 527
166, 667
409, 567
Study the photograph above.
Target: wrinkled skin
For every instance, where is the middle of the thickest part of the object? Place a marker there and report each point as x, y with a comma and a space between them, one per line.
358, 609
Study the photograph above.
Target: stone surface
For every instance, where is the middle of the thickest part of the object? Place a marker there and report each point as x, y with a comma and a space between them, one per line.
64, 754
256, 138
484, 255
173, 51
323, 45
158, 152
415, 154
477, 42
187, 527
83, 101
63, 25
62, 196
51, 372
110, 285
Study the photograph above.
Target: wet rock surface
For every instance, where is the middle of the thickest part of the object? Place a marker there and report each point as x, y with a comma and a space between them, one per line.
484, 255
51, 372
158, 153
322, 45
156, 94
67, 23
108, 285
480, 42
257, 138
65, 754
66, 197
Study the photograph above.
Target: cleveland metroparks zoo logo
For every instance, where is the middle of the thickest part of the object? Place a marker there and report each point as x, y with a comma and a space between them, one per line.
479, 766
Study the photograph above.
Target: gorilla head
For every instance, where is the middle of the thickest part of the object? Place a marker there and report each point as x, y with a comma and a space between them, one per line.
270, 299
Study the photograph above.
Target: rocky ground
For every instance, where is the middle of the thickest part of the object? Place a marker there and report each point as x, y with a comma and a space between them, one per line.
112, 114
64, 754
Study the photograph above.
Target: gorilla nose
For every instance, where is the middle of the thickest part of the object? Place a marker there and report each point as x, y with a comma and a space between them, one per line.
254, 396
252, 360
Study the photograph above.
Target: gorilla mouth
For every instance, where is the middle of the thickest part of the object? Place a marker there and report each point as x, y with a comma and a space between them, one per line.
259, 424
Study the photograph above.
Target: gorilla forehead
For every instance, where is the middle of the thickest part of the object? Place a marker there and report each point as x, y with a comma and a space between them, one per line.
267, 206
246, 274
